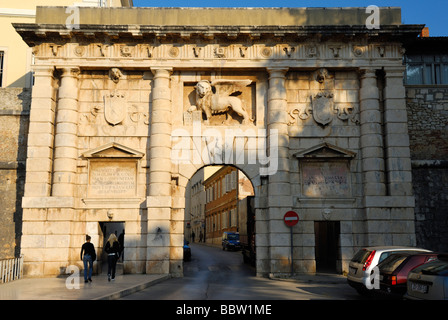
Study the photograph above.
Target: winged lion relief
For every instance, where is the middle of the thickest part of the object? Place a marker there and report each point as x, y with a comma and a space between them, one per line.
216, 98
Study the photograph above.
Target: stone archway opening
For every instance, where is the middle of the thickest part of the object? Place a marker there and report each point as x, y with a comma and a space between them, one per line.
220, 208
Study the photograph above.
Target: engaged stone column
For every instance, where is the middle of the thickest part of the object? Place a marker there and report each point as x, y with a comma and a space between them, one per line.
398, 157
65, 143
279, 188
371, 136
159, 195
279, 184
41, 134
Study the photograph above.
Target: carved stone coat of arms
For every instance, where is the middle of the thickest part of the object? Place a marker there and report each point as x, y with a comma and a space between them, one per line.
115, 108
323, 106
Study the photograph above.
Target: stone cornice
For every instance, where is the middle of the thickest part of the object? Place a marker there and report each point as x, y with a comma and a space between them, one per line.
34, 34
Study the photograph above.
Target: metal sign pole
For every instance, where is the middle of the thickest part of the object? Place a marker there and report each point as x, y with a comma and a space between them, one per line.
292, 253
291, 218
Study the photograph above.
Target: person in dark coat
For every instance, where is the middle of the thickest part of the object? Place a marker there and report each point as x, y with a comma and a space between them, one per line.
121, 242
88, 255
113, 252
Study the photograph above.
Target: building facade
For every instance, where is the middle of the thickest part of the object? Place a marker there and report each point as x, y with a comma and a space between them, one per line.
195, 204
126, 108
223, 191
427, 104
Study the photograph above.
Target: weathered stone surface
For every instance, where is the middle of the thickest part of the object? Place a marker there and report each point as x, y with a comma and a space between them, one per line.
14, 116
104, 129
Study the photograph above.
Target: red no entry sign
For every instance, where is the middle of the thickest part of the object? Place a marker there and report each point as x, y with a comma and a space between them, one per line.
291, 218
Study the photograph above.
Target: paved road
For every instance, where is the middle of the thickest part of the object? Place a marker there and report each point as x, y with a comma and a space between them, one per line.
213, 274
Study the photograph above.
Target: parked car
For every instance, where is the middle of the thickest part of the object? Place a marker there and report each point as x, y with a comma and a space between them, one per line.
231, 241
187, 251
429, 281
394, 271
362, 265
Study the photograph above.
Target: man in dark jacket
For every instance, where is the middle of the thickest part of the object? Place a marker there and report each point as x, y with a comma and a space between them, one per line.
88, 255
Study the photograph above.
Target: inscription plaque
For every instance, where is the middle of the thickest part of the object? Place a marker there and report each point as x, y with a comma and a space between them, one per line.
114, 179
326, 179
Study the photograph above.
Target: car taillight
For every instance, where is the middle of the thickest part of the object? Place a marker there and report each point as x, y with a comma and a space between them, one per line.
369, 260
393, 280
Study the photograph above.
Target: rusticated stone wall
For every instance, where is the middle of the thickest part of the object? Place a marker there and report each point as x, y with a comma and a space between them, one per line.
428, 122
431, 205
14, 112
428, 134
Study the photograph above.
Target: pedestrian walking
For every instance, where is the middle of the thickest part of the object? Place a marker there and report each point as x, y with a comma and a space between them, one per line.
88, 255
113, 252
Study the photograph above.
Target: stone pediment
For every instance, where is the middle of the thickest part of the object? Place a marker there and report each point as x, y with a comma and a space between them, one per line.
325, 150
113, 150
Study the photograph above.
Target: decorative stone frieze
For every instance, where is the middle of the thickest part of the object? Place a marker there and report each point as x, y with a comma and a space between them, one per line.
246, 51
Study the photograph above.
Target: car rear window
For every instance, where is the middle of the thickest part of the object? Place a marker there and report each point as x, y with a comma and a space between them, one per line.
386, 254
361, 256
392, 262
439, 268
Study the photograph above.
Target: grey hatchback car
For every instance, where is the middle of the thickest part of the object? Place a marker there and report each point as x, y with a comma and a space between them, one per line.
429, 281
361, 267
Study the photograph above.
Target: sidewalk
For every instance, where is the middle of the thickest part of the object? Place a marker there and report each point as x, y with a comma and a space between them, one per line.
98, 289
101, 289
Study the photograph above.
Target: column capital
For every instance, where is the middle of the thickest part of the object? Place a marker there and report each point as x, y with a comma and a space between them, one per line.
43, 70
395, 71
162, 71
277, 72
69, 71
367, 72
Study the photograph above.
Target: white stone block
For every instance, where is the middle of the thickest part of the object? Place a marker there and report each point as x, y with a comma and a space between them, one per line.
57, 241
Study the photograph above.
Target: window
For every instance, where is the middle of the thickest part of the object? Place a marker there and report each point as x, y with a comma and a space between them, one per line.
233, 217
426, 69
2, 59
225, 219
234, 179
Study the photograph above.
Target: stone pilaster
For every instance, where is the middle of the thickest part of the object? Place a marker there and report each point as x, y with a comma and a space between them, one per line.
388, 203
397, 152
279, 189
371, 136
159, 200
41, 133
65, 142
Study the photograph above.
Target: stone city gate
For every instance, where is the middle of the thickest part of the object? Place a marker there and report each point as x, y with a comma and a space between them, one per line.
126, 107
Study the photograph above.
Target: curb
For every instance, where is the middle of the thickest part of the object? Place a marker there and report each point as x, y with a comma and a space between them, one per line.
313, 278
125, 292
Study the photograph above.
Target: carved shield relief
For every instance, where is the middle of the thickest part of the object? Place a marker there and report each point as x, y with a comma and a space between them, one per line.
323, 106
115, 108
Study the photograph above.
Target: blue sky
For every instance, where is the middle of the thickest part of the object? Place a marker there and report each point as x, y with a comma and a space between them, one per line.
432, 13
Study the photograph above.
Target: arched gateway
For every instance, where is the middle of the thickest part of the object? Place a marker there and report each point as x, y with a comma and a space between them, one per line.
129, 103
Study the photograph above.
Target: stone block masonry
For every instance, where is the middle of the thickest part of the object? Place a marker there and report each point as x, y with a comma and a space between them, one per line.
14, 117
427, 109
431, 204
111, 103
428, 122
